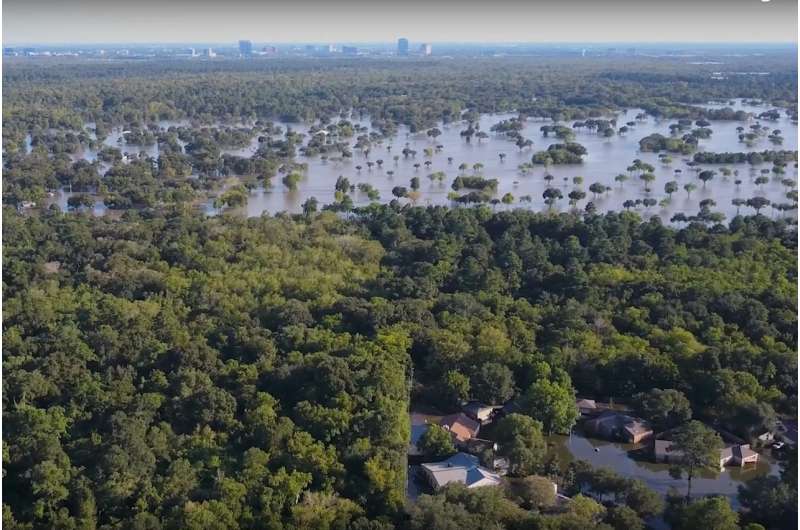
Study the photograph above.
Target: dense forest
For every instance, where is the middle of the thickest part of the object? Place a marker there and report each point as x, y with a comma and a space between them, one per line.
413, 93
180, 371
165, 369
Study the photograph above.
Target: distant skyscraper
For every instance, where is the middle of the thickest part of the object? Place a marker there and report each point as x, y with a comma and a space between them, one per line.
425, 49
402, 46
349, 50
245, 48
210, 53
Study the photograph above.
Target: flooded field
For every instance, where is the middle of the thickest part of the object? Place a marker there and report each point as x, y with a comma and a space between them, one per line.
500, 159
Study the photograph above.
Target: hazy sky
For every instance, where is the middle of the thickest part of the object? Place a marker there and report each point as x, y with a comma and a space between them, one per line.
110, 21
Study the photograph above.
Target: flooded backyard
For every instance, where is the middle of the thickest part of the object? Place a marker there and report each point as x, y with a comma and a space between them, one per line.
635, 461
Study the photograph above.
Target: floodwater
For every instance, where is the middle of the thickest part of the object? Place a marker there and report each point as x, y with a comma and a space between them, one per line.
629, 460
635, 461
606, 158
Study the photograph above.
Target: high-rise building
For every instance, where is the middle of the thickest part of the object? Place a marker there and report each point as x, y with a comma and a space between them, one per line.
349, 50
245, 48
425, 49
210, 53
402, 46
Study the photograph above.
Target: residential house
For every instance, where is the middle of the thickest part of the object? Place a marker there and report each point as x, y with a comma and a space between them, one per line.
587, 407
461, 426
613, 425
738, 455
735, 455
766, 437
462, 468
483, 414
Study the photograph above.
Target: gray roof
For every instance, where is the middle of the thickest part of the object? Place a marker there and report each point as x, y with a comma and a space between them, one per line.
463, 468
744, 451
623, 421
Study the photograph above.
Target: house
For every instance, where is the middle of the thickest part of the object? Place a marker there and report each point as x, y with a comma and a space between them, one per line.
766, 437
735, 455
742, 455
587, 407
462, 468
483, 414
461, 426
617, 426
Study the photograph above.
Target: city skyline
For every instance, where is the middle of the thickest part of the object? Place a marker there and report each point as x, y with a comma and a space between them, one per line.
353, 21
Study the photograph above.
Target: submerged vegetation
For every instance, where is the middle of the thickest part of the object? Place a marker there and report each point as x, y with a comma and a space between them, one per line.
166, 369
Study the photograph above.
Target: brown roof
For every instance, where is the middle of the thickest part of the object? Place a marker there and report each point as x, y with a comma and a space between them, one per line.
462, 426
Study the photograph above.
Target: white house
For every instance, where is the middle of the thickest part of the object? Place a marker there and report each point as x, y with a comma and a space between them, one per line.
461, 467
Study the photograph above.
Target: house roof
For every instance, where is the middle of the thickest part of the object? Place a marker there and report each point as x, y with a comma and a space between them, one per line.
462, 426
637, 427
662, 448
744, 452
618, 420
463, 468
479, 410
586, 404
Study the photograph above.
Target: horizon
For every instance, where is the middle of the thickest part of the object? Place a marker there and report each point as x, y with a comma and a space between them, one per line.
747, 44
74, 22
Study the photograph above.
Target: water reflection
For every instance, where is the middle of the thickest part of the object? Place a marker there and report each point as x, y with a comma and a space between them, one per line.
634, 461
607, 158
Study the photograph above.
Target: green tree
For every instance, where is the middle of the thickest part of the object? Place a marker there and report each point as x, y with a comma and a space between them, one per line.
712, 513
664, 408
455, 387
493, 384
436, 442
519, 438
553, 404
697, 448
770, 501
534, 492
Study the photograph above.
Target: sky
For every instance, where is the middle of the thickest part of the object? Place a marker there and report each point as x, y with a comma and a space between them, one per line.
284, 21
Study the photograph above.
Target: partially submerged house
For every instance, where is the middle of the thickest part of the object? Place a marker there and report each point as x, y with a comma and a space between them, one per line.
462, 468
612, 425
738, 455
483, 414
587, 407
